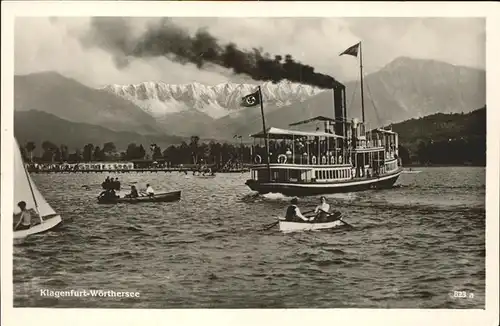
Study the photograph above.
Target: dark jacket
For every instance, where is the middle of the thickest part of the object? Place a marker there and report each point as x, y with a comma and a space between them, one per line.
290, 212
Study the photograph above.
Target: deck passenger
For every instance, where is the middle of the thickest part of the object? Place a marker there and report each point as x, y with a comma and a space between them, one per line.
324, 160
293, 211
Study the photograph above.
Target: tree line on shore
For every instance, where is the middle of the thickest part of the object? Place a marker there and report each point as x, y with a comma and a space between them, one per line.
442, 138
185, 153
457, 151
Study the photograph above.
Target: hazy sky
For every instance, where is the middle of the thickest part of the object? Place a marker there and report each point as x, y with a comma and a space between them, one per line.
54, 44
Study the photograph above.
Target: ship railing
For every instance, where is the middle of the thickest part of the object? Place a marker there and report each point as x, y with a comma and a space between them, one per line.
302, 159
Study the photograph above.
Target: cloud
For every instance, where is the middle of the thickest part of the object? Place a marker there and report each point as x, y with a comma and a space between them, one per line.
43, 44
458, 41
314, 41
68, 46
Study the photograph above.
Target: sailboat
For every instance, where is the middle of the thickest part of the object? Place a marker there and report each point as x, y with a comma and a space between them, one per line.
343, 157
26, 190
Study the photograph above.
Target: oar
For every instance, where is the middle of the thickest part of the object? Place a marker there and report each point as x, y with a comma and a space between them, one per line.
340, 219
349, 225
269, 226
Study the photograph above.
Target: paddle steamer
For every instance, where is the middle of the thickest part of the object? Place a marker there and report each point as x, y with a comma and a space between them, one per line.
340, 156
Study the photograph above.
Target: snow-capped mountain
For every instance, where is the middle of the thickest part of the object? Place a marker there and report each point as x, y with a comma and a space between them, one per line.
160, 99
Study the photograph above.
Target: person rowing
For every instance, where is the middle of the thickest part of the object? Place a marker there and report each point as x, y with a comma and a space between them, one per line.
133, 193
322, 210
117, 184
108, 194
293, 211
149, 190
105, 183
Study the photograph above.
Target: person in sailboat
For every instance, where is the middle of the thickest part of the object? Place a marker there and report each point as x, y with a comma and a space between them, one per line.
293, 212
25, 217
322, 210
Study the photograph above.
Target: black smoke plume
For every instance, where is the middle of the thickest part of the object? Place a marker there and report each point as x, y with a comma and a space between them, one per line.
164, 38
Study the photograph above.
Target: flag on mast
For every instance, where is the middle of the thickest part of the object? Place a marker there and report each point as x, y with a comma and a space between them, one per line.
352, 50
251, 99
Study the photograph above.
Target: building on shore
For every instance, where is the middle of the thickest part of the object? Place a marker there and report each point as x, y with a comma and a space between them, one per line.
85, 166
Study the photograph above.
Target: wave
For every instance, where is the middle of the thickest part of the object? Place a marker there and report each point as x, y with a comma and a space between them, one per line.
419, 207
438, 186
276, 196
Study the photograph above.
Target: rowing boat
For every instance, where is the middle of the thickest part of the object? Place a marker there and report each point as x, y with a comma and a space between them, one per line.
156, 198
411, 171
205, 176
329, 222
286, 226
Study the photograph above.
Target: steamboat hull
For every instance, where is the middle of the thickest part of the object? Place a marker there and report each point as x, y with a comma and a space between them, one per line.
312, 189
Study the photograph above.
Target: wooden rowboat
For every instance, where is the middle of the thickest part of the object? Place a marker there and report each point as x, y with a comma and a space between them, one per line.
328, 222
207, 176
156, 198
411, 171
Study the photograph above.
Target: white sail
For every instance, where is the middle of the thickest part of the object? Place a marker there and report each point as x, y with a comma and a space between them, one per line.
26, 190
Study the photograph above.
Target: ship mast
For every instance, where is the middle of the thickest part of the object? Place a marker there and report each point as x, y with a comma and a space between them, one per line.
265, 133
361, 80
29, 183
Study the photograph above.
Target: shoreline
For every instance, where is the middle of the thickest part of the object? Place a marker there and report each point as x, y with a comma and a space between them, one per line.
443, 166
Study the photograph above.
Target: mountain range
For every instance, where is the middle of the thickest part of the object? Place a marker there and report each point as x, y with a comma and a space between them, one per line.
404, 89
160, 99
48, 127
70, 100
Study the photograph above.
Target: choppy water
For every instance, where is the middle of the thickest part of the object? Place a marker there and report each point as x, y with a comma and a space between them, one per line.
412, 247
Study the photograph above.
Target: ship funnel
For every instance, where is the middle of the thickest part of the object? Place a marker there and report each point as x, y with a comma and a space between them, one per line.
339, 110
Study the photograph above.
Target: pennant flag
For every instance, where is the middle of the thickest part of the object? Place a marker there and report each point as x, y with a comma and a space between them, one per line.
251, 99
352, 50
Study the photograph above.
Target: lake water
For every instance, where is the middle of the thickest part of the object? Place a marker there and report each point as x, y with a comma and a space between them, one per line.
412, 246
